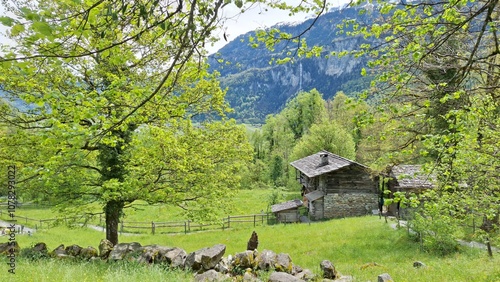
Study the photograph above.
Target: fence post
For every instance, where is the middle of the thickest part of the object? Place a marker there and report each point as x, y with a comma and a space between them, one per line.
228, 221
153, 227
185, 227
189, 225
121, 226
254, 218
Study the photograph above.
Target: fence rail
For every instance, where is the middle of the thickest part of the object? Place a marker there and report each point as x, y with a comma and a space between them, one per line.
186, 226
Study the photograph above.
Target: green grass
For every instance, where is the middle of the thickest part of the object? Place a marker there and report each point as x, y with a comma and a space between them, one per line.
348, 243
57, 270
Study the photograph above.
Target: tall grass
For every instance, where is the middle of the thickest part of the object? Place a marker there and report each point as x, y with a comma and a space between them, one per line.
59, 270
354, 245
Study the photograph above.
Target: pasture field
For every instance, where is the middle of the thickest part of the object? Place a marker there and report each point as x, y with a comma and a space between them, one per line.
362, 247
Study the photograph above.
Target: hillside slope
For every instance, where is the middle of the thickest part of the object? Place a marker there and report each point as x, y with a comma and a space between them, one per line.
257, 88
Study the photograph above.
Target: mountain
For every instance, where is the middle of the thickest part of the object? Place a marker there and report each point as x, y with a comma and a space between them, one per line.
257, 88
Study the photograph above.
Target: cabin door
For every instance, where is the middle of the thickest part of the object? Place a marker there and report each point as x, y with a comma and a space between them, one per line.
316, 209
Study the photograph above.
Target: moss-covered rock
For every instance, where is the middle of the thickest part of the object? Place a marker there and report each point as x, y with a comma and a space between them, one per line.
283, 263
88, 253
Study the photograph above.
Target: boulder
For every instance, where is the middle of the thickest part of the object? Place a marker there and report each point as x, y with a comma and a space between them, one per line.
265, 260
9, 247
59, 251
73, 250
249, 276
243, 260
121, 250
148, 254
88, 253
40, 248
418, 264
283, 263
296, 269
223, 266
253, 243
211, 257
328, 269
206, 258
105, 247
174, 257
210, 276
385, 277
283, 277
306, 275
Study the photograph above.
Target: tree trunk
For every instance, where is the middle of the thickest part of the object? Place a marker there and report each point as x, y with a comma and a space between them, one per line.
113, 210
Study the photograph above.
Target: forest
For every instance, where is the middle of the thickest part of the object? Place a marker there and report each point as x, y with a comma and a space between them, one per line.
120, 106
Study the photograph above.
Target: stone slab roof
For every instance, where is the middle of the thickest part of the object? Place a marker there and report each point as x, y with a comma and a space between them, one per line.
314, 195
293, 204
311, 165
411, 177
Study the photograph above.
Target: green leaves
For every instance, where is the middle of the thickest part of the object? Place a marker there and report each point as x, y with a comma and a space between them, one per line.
7, 21
109, 91
17, 29
42, 28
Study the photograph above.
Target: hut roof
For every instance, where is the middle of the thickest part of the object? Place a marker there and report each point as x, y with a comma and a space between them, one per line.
312, 165
314, 195
293, 204
411, 176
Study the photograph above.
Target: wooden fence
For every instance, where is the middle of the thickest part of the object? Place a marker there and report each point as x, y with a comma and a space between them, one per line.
40, 223
153, 226
191, 226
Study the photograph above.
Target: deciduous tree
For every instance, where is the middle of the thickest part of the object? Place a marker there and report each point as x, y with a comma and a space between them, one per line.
437, 67
110, 91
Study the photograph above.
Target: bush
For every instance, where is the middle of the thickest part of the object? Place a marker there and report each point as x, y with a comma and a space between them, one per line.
435, 231
33, 254
277, 196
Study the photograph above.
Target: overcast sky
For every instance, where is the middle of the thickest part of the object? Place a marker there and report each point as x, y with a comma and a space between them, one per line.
257, 17
240, 23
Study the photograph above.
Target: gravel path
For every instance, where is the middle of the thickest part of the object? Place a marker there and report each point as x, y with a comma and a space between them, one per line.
20, 229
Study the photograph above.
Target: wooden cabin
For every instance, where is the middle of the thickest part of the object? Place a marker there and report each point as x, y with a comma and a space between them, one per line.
408, 179
288, 211
334, 186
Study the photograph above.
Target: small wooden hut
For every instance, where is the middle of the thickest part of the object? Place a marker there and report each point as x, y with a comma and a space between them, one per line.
407, 179
287, 212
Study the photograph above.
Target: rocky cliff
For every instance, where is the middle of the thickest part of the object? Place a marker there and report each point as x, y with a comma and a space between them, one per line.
257, 88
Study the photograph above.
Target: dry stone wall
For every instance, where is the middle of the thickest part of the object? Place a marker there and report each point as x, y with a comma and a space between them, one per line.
349, 204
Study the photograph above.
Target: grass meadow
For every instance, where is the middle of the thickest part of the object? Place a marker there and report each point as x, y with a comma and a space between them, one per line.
243, 203
352, 244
